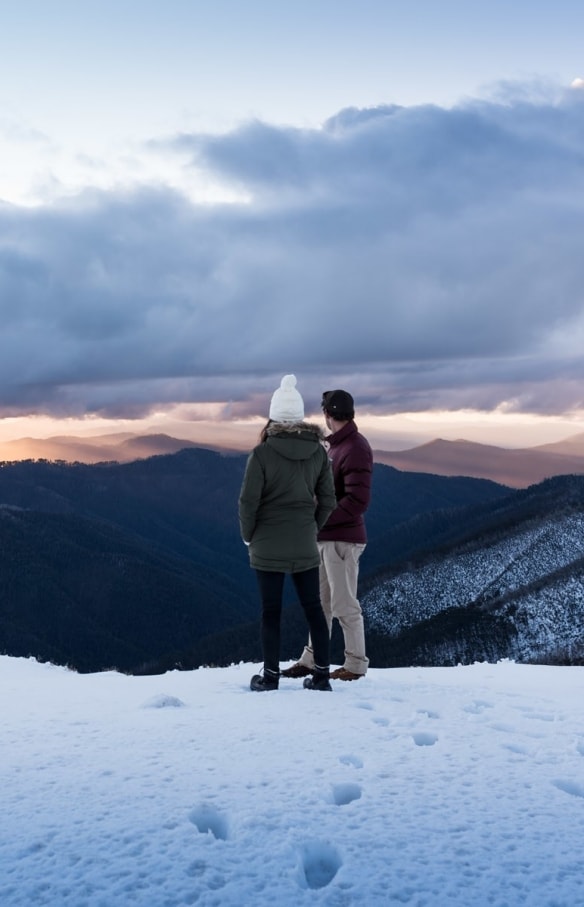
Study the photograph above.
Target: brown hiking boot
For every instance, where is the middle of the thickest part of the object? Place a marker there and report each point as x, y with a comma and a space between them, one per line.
343, 674
296, 670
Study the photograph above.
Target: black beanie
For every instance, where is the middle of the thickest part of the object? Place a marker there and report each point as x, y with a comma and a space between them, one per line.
338, 404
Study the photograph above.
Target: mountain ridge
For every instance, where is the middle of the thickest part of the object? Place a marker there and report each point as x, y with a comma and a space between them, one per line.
513, 590
513, 467
176, 512
169, 522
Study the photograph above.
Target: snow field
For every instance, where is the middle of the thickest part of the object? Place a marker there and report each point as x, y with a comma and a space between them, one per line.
438, 786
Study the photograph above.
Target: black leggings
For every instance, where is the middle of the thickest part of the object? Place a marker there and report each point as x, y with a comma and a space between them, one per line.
307, 588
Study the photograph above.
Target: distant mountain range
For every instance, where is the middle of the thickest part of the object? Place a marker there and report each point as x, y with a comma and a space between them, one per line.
121, 447
139, 566
515, 468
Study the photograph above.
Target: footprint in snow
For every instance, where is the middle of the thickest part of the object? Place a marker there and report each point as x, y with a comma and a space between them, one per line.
429, 713
569, 787
319, 864
422, 738
351, 760
346, 793
530, 712
515, 748
478, 707
208, 819
164, 701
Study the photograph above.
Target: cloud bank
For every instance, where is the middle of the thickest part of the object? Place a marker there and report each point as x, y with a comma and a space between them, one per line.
427, 257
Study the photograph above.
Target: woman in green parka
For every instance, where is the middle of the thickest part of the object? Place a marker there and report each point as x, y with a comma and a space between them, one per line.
286, 497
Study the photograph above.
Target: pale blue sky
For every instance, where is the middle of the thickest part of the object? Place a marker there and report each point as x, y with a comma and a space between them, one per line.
86, 70
198, 197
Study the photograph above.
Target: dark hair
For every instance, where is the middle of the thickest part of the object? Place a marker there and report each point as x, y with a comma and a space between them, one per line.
340, 417
264, 431
338, 404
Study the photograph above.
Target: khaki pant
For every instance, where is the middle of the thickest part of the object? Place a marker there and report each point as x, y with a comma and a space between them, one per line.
339, 573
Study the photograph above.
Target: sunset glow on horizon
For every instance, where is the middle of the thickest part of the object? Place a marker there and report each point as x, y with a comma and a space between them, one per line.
395, 432
176, 237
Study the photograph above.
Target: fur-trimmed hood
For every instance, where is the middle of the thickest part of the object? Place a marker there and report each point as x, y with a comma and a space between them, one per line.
294, 440
294, 428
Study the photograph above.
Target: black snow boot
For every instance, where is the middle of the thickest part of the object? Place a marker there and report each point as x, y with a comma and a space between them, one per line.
269, 681
319, 680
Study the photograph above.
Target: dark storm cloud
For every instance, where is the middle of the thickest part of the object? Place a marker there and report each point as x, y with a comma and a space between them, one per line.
431, 257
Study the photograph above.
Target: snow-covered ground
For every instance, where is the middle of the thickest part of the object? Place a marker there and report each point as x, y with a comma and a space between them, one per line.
437, 786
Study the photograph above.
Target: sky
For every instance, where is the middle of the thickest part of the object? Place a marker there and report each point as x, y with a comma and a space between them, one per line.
441, 786
196, 199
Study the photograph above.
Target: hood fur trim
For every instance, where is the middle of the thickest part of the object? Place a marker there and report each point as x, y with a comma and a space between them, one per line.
294, 428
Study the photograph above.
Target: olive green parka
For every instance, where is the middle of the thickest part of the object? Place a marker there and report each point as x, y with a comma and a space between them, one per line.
286, 497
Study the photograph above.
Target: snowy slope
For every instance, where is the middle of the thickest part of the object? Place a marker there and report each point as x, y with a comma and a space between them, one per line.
442, 787
532, 575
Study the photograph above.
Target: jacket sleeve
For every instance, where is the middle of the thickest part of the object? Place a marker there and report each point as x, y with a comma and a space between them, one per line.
356, 472
250, 496
325, 492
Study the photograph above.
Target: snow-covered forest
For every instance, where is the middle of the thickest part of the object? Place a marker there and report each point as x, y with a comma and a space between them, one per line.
531, 576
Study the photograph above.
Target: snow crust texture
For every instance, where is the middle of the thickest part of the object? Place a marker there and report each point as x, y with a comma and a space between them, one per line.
439, 786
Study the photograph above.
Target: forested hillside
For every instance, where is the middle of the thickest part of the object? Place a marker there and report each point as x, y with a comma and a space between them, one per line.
516, 589
138, 564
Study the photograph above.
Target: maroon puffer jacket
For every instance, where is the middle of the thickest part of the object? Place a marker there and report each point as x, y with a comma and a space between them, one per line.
352, 470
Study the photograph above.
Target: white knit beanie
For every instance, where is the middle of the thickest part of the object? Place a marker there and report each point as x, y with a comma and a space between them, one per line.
287, 405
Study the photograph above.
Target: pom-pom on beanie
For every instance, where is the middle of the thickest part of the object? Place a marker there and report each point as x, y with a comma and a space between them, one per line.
287, 405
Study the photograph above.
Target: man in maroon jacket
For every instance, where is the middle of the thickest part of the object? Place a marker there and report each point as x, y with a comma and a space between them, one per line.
343, 538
